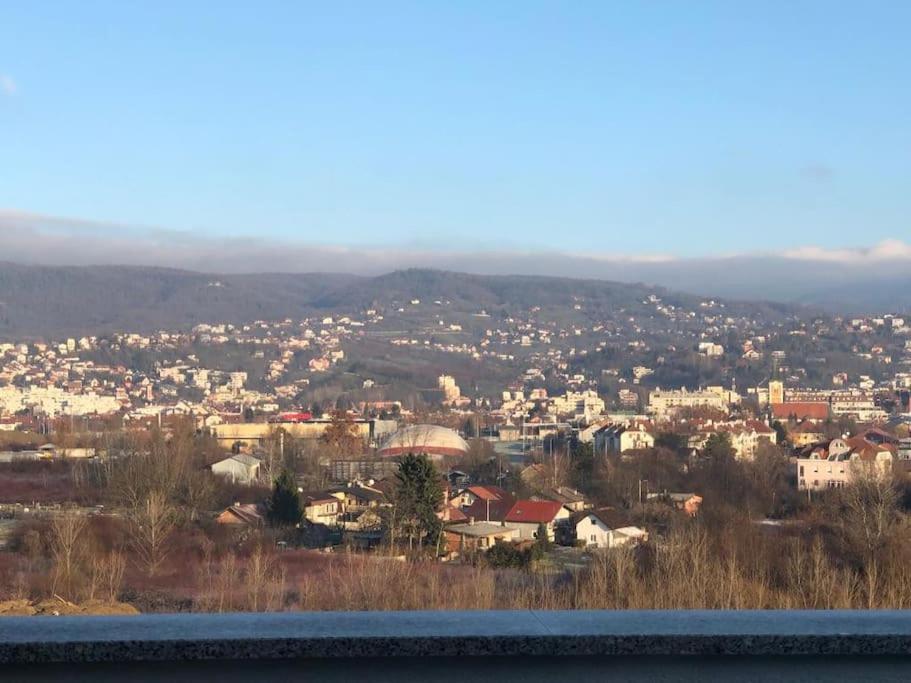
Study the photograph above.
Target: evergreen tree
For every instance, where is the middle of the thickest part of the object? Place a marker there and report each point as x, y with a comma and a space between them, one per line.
718, 447
285, 505
781, 432
418, 497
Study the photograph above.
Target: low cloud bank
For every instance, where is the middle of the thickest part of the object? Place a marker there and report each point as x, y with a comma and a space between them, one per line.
811, 274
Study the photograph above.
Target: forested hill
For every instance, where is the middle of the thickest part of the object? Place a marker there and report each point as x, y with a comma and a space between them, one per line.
38, 301
49, 301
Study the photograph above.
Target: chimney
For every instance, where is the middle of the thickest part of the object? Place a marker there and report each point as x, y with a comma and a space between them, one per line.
471, 521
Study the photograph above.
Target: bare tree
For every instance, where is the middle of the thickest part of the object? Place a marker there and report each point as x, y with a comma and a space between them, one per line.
66, 532
870, 512
225, 583
107, 576
151, 524
264, 581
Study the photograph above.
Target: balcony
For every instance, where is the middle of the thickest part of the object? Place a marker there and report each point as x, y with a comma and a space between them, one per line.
466, 646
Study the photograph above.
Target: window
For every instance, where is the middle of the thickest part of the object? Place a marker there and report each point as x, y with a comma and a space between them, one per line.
299, 331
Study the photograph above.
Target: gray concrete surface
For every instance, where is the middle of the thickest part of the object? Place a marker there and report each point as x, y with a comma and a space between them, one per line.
520, 645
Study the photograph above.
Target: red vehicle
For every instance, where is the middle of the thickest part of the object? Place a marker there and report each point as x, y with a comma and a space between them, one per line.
294, 417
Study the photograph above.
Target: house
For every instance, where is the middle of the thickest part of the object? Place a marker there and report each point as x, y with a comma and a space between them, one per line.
805, 433
239, 469
365, 520
746, 436
623, 438
490, 510
489, 503
587, 434
477, 536
321, 508
687, 502
838, 463
571, 499
357, 497
878, 436
606, 528
527, 515
534, 475
458, 479
247, 514
470, 495
451, 514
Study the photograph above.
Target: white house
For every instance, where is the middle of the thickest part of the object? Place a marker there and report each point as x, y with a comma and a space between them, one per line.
623, 438
837, 466
606, 528
322, 508
240, 468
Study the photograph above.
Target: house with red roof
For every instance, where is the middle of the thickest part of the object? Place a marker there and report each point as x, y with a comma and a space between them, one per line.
248, 514
526, 516
488, 510
468, 496
841, 461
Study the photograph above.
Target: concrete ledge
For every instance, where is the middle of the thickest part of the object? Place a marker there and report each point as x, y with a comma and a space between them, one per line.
355, 635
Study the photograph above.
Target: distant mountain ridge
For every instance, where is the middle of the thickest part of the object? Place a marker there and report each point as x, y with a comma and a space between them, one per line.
53, 300
66, 300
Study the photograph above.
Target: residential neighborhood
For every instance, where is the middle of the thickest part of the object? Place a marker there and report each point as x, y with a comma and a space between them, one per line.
517, 443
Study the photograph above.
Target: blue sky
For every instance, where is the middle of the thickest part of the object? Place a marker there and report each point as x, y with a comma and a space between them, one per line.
682, 128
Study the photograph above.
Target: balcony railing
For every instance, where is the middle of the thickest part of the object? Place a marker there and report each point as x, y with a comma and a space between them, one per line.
467, 646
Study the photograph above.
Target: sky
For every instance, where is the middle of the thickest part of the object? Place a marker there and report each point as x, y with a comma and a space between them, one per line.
647, 130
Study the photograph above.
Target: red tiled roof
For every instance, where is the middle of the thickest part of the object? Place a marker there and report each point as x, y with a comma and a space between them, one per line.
456, 515
759, 427
805, 428
814, 410
534, 511
493, 510
489, 492
249, 513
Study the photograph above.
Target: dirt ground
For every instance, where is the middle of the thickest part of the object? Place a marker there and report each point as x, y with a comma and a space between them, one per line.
59, 607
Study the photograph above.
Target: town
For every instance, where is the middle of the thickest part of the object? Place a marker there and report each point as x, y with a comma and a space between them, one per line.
514, 456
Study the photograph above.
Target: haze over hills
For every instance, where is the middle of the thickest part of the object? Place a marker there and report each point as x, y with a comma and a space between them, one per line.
56, 300
871, 279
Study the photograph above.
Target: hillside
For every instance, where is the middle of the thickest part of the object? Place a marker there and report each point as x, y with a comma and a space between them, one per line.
46, 300
52, 301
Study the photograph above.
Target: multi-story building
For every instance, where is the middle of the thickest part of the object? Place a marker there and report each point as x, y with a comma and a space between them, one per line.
664, 403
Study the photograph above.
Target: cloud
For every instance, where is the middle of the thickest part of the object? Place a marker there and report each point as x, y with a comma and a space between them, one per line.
38, 238
818, 172
885, 251
7, 85
809, 273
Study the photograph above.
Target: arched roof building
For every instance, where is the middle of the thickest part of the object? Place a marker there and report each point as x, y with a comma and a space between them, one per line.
424, 438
